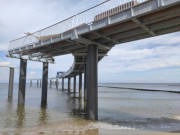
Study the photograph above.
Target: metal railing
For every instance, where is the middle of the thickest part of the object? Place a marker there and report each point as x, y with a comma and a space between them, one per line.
98, 12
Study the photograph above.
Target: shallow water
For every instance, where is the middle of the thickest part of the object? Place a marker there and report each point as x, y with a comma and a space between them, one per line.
121, 111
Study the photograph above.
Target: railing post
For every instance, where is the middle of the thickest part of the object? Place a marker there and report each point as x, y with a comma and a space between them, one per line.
11, 83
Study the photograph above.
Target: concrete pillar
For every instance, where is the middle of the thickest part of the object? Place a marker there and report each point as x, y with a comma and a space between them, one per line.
50, 83
62, 83
40, 83
22, 82
85, 83
37, 83
11, 83
74, 84
56, 83
44, 84
69, 84
80, 83
30, 83
92, 79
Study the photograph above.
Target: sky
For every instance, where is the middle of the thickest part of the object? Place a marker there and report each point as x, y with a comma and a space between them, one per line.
152, 60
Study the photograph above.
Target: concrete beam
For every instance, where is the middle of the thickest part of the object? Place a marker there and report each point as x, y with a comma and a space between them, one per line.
88, 42
139, 23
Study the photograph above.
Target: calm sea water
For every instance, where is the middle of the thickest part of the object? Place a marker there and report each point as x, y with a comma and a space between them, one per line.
119, 110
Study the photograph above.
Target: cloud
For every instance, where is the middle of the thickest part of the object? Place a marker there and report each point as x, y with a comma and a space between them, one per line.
132, 57
5, 63
128, 60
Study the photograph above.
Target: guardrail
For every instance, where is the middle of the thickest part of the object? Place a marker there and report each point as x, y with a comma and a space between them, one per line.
98, 12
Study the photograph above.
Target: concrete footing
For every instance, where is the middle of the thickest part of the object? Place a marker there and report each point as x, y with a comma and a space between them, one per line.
44, 84
92, 93
11, 83
22, 82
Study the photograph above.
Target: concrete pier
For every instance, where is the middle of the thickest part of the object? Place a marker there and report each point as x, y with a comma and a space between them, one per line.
57, 83
74, 84
37, 83
92, 79
50, 83
69, 84
30, 83
44, 84
63, 84
85, 83
11, 83
80, 83
40, 83
22, 82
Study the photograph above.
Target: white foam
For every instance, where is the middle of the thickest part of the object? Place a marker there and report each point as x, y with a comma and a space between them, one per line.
103, 125
177, 117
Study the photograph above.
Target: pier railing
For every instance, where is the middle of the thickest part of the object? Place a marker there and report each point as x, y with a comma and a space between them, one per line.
87, 17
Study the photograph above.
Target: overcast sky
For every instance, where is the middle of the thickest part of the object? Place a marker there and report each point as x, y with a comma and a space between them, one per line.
145, 61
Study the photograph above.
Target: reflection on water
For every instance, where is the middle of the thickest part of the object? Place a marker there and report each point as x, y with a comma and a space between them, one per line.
20, 116
43, 116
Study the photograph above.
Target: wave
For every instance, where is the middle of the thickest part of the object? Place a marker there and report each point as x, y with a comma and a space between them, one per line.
141, 89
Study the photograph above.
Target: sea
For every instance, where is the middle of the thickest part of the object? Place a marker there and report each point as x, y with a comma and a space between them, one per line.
123, 108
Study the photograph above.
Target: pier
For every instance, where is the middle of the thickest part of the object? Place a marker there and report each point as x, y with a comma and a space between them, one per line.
89, 36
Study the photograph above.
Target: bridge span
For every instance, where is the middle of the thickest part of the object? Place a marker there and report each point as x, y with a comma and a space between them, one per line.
89, 36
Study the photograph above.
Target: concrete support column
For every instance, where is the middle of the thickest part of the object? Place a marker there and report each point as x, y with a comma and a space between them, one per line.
22, 82
40, 83
63, 84
69, 84
44, 84
11, 83
37, 83
30, 83
80, 83
92, 79
56, 83
74, 84
85, 83
50, 83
